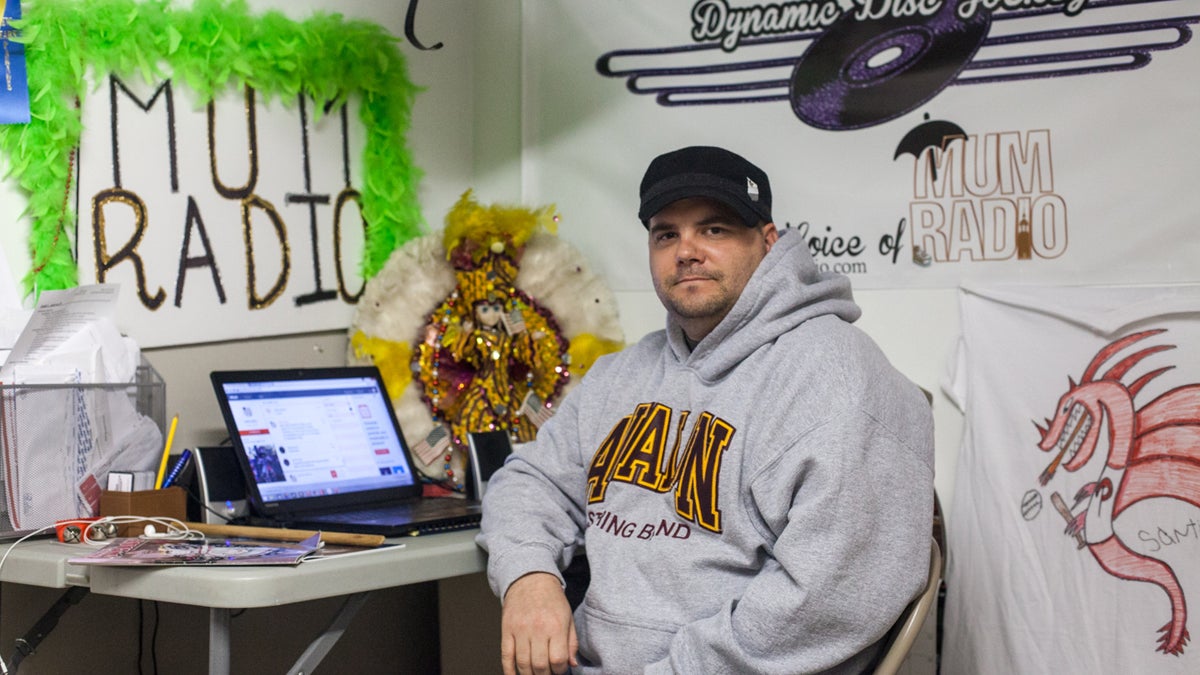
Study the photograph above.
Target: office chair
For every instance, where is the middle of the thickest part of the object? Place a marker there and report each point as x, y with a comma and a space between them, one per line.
905, 631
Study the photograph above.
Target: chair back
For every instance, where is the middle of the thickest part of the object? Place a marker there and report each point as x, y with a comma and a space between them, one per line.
904, 633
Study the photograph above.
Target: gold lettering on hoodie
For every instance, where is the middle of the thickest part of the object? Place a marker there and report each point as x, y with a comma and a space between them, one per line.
633, 452
698, 484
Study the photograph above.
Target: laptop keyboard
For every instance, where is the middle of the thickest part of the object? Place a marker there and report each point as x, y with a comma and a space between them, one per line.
390, 513
381, 515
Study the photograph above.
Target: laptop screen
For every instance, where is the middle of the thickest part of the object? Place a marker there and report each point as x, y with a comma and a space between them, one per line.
319, 436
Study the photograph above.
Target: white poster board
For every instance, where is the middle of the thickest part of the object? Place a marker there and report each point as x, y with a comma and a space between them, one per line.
239, 218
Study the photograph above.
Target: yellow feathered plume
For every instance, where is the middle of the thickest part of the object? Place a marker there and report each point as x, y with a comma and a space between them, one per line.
585, 348
495, 229
392, 358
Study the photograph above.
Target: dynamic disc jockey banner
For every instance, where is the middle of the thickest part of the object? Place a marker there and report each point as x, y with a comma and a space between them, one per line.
917, 143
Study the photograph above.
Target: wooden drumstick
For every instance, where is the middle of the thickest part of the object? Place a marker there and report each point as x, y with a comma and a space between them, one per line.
284, 534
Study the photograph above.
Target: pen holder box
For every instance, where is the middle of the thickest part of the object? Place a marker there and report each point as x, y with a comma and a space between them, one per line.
58, 442
170, 502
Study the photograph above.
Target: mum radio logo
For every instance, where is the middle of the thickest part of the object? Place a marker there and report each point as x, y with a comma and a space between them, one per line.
982, 197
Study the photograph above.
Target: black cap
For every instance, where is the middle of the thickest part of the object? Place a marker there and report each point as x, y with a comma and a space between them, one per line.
705, 171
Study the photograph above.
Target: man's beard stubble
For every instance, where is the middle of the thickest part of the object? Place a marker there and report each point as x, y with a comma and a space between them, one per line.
687, 307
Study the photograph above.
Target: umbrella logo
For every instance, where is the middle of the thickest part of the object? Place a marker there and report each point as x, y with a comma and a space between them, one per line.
925, 138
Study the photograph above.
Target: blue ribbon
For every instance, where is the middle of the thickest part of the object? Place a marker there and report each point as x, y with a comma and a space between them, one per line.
14, 87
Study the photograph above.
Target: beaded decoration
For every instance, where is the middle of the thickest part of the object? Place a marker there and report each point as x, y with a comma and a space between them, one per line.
468, 330
477, 373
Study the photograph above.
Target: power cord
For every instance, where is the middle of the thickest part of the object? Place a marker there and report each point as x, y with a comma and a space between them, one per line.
201, 503
96, 532
154, 641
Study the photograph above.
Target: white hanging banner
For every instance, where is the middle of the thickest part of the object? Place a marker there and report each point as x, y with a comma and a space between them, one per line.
917, 144
1075, 537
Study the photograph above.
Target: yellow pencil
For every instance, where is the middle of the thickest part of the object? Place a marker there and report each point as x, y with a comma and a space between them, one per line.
162, 465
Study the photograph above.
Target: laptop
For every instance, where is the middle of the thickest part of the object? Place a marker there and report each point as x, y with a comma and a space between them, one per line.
320, 449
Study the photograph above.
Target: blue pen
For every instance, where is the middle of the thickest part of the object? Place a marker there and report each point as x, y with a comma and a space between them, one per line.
179, 466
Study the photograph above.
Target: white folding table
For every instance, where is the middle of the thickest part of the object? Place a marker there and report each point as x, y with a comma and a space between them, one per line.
406, 560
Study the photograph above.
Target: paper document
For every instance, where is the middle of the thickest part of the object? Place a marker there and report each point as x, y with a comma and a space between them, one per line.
68, 409
72, 337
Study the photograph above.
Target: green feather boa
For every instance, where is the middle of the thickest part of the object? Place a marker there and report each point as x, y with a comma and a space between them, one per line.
213, 47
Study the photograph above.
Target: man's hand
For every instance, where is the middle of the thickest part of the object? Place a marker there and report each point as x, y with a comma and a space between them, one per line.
537, 630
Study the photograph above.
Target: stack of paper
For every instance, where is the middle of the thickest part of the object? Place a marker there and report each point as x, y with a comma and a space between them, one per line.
66, 415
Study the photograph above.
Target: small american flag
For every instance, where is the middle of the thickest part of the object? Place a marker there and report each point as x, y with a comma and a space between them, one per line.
535, 409
430, 448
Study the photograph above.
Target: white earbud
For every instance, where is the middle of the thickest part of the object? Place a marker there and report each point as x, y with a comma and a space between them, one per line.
152, 532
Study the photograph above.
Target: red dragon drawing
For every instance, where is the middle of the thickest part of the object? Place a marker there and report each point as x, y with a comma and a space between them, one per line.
1155, 451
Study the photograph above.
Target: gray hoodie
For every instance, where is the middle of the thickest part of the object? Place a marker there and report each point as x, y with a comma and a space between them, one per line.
759, 504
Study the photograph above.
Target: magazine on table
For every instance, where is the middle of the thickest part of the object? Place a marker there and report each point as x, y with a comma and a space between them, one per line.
138, 551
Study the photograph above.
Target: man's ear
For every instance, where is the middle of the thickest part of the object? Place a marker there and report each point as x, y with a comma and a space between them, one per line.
771, 234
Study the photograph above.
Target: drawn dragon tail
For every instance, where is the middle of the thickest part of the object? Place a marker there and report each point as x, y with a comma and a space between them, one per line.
1123, 563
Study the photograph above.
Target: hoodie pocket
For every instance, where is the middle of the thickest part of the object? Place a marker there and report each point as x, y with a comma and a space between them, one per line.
617, 644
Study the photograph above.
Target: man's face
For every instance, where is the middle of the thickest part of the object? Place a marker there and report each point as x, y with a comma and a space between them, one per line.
701, 257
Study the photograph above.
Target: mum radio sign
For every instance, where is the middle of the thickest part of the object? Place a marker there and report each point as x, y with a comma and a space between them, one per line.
1007, 210
239, 217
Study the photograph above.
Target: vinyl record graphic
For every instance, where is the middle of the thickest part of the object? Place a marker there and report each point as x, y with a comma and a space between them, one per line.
861, 73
